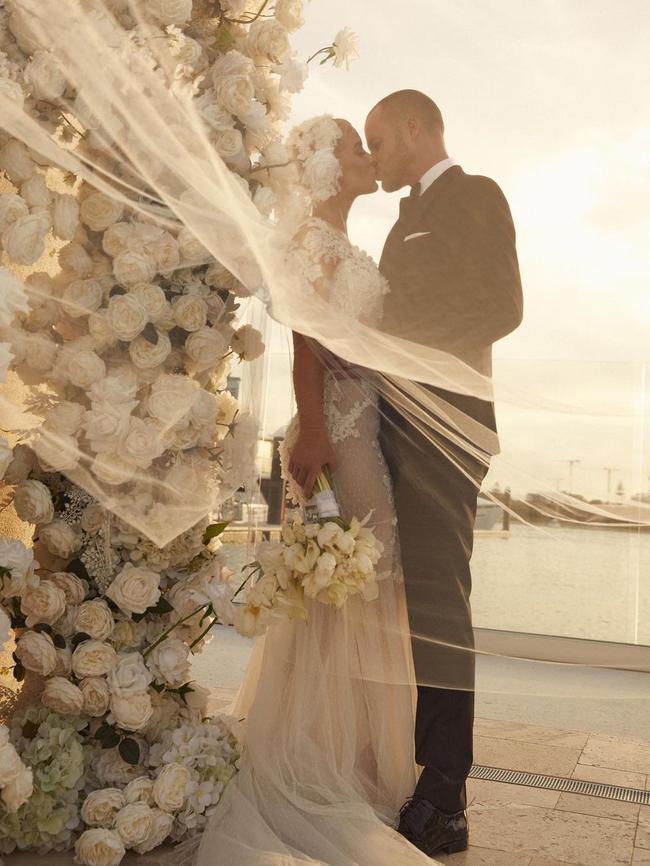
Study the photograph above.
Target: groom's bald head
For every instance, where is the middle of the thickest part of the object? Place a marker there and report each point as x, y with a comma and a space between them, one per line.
405, 134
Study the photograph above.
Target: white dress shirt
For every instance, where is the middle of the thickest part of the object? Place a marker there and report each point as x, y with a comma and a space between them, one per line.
434, 173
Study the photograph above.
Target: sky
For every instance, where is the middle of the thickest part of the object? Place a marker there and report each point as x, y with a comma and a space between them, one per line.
549, 98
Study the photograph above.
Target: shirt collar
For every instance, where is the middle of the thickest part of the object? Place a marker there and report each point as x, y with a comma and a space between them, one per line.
434, 173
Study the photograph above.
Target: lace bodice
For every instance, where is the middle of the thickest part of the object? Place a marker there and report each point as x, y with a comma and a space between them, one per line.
343, 273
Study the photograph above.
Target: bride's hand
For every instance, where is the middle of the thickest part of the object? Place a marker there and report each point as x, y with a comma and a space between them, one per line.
311, 451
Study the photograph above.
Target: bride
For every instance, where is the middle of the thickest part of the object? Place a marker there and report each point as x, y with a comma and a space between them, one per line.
329, 704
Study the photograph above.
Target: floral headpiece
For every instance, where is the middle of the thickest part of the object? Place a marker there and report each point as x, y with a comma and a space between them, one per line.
312, 145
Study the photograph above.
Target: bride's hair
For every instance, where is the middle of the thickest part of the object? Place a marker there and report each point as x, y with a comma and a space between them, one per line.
311, 145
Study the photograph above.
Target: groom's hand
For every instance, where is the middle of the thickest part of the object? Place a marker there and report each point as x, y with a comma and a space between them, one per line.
312, 451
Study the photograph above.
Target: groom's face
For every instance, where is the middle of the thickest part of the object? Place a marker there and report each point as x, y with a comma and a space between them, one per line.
389, 150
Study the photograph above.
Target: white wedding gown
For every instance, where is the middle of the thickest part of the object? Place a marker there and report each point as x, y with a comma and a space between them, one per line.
329, 704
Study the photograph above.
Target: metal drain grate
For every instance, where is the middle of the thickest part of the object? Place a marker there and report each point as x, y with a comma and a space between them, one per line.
558, 783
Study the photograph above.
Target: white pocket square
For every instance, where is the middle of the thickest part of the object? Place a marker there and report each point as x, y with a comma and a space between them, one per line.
416, 235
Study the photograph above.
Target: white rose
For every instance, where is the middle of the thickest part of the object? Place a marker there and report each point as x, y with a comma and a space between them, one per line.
84, 368
63, 656
162, 823
166, 252
73, 587
65, 216
171, 787
93, 658
62, 696
228, 408
140, 790
96, 695
24, 240
191, 249
235, 93
126, 635
229, 145
265, 200
94, 618
205, 348
169, 662
99, 847
66, 627
153, 300
98, 211
65, 417
171, 399
93, 518
103, 336
82, 297
60, 538
36, 652
205, 410
119, 387
100, 807
16, 161
290, 14
6, 456
132, 713
134, 589
170, 11
56, 452
126, 316
18, 790
40, 352
74, 257
117, 238
107, 424
33, 502
43, 603
19, 561
12, 91
10, 763
35, 192
247, 343
129, 676
190, 312
268, 38
197, 699
147, 355
113, 468
143, 442
134, 266
45, 76
134, 823
12, 207
215, 115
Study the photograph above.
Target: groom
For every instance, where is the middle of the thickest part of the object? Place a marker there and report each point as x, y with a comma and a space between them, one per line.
451, 263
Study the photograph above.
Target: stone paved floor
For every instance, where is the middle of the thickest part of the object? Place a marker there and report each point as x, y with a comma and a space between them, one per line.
517, 826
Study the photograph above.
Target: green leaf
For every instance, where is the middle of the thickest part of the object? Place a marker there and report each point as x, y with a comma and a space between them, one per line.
150, 333
77, 567
30, 729
129, 750
107, 736
59, 641
44, 626
79, 638
213, 531
19, 672
5, 572
158, 687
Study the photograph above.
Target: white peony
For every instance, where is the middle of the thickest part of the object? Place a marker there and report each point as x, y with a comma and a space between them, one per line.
60, 538
12, 207
24, 240
99, 847
170, 11
82, 297
16, 161
190, 312
65, 417
134, 266
98, 211
169, 662
132, 713
37, 652
62, 696
33, 502
171, 787
162, 823
84, 368
18, 790
56, 452
268, 39
247, 343
134, 823
35, 191
153, 300
147, 355
126, 316
140, 790
171, 399
129, 676
95, 618
235, 93
65, 216
134, 589
100, 807
93, 658
205, 348
96, 695
43, 603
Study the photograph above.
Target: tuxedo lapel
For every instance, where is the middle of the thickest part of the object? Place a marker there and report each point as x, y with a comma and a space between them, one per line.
411, 209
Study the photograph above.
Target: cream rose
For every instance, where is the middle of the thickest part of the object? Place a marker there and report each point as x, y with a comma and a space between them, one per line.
65, 216
84, 368
16, 161
147, 355
39, 351
73, 257
94, 618
98, 211
132, 713
191, 248
140, 790
129, 676
134, 266
101, 332
171, 399
19, 561
56, 452
99, 847
62, 696
93, 518
73, 587
93, 658
60, 538
169, 663
96, 695
10, 763
117, 237
143, 442
82, 297
43, 603
36, 652
65, 418
290, 14
190, 312
171, 787
35, 191
12, 207
126, 635
63, 656
134, 589
33, 502
18, 791
268, 38
100, 807
24, 240
228, 408
205, 348
12, 91
166, 252
107, 424
126, 316
45, 76
247, 343
235, 93
153, 300
134, 823
229, 145
170, 11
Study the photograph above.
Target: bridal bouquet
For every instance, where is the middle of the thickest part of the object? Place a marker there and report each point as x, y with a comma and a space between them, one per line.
320, 557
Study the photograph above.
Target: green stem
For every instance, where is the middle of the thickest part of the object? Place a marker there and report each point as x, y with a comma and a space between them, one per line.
171, 628
269, 167
321, 51
257, 15
204, 632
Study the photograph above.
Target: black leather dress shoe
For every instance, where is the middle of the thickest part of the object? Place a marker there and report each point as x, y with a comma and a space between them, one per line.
431, 830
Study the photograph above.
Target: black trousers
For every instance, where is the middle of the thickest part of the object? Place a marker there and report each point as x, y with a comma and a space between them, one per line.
436, 510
